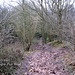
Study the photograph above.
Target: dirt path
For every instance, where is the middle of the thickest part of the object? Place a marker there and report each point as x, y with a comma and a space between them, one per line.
44, 62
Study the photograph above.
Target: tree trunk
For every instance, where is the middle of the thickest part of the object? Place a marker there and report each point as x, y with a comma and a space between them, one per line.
59, 20
28, 47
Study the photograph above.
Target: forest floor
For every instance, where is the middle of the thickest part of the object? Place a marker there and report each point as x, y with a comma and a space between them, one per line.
47, 61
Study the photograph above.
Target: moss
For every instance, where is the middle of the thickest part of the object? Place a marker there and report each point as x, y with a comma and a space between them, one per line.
55, 43
70, 69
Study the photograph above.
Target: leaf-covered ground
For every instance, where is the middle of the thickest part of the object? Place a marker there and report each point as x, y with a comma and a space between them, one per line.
47, 61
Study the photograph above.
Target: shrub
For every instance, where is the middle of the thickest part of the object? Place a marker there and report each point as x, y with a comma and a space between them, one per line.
38, 35
9, 60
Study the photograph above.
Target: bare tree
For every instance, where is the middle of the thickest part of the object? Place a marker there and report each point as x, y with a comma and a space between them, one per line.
25, 23
53, 12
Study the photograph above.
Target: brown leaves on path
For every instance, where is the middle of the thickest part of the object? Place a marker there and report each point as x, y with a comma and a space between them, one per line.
44, 62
